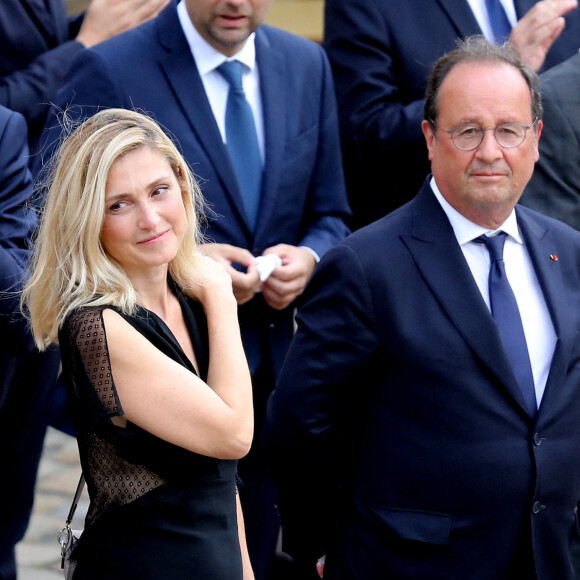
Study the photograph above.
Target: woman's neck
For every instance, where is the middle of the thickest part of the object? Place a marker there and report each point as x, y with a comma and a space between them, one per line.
153, 293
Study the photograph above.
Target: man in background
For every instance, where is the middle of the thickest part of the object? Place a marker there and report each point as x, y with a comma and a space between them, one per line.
555, 186
26, 376
38, 41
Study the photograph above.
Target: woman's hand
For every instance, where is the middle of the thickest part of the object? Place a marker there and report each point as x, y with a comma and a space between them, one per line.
212, 281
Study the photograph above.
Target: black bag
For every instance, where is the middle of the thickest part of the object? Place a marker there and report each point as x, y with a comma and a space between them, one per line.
68, 538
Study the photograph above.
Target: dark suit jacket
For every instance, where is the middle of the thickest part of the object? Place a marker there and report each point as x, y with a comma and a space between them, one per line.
303, 197
555, 185
26, 376
381, 54
401, 442
35, 52
16, 224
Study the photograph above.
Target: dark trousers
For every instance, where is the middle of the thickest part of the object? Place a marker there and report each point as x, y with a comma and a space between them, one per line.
27, 384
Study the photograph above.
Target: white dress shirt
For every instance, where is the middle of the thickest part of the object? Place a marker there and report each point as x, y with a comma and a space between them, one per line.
536, 320
216, 87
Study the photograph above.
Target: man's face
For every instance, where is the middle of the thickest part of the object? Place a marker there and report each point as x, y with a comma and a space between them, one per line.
226, 24
483, 184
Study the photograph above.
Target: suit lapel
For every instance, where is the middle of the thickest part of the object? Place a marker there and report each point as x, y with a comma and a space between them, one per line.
438, 256
59, 21
522, 6
185, 82
542, 248
274, 107
462, 17
44, 20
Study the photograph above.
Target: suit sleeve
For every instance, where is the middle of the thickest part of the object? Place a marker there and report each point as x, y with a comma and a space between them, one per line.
16, 221
379, 89
555, 184
29, 88
370, 99
310, 430
88, 87
327, 212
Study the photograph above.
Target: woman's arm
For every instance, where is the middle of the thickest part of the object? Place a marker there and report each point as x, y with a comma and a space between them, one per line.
169, 401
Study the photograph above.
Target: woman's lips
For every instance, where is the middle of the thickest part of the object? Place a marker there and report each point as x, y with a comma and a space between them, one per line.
154, 238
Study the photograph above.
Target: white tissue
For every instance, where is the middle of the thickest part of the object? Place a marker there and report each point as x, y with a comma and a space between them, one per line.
267, 264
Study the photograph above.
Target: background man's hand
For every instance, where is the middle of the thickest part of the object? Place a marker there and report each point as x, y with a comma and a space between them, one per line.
245, 284
537, 30
287, 281
106, 18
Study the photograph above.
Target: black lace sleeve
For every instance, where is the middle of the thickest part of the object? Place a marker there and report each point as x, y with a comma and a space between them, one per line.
85, 348
109, 453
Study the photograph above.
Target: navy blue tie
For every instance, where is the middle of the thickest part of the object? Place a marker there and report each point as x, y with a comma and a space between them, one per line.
506, 314
500, 24
242, 140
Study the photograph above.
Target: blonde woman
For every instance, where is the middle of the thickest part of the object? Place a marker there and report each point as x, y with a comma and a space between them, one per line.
151, 353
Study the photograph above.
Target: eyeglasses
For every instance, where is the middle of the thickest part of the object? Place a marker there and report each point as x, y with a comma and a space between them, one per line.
470, 136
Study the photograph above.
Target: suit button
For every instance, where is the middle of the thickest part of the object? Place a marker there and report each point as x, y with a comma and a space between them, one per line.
537, 439
537, 507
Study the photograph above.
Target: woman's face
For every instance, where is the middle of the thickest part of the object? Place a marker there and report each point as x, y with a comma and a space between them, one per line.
145, 219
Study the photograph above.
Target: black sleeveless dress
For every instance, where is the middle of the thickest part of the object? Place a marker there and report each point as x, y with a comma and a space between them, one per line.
156, 510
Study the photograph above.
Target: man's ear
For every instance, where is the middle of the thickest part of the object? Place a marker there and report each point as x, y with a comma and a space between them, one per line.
537, 138
430, 136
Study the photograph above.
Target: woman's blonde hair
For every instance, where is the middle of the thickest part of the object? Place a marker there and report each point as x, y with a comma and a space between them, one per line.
69, 266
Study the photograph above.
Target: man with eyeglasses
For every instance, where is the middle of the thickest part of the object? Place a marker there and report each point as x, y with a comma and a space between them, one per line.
426, 423
469, 136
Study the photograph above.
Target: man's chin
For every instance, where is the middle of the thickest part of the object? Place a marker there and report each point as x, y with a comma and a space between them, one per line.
232, 36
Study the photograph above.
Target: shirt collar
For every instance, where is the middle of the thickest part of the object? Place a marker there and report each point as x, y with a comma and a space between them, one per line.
206, 56
466, 230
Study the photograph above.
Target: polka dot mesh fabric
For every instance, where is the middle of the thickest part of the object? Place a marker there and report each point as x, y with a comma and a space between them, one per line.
111, 479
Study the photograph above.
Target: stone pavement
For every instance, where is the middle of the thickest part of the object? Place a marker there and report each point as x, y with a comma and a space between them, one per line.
38, 554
